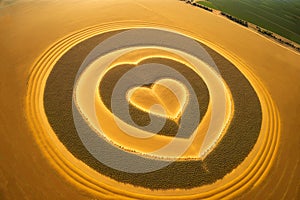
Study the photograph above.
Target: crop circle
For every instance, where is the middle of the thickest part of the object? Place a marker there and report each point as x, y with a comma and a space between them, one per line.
51, 92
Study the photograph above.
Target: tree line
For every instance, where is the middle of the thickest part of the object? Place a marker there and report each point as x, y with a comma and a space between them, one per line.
270, 34
237, 20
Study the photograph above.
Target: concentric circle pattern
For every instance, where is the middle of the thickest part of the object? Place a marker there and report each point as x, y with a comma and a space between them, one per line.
141, 111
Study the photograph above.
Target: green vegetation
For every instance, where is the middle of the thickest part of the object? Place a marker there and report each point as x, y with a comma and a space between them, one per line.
281, 17
208, 4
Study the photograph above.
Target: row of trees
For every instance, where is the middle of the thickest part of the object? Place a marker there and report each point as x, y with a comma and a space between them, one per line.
197, 5
203, 7
270, 34
239, 21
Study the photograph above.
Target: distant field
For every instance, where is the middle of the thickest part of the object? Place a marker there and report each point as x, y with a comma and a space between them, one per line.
281, 17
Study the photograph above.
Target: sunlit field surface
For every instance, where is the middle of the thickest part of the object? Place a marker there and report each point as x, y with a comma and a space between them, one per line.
141, 99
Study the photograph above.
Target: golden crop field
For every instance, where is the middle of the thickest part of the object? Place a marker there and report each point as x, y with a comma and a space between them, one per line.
142, 99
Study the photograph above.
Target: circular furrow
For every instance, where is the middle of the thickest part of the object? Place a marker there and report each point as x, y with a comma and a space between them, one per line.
251, 177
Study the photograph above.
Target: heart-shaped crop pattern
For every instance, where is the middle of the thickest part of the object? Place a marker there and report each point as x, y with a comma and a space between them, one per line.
170, 94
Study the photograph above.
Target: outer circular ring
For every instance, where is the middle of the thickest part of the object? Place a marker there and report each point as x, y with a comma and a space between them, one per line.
252, 176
